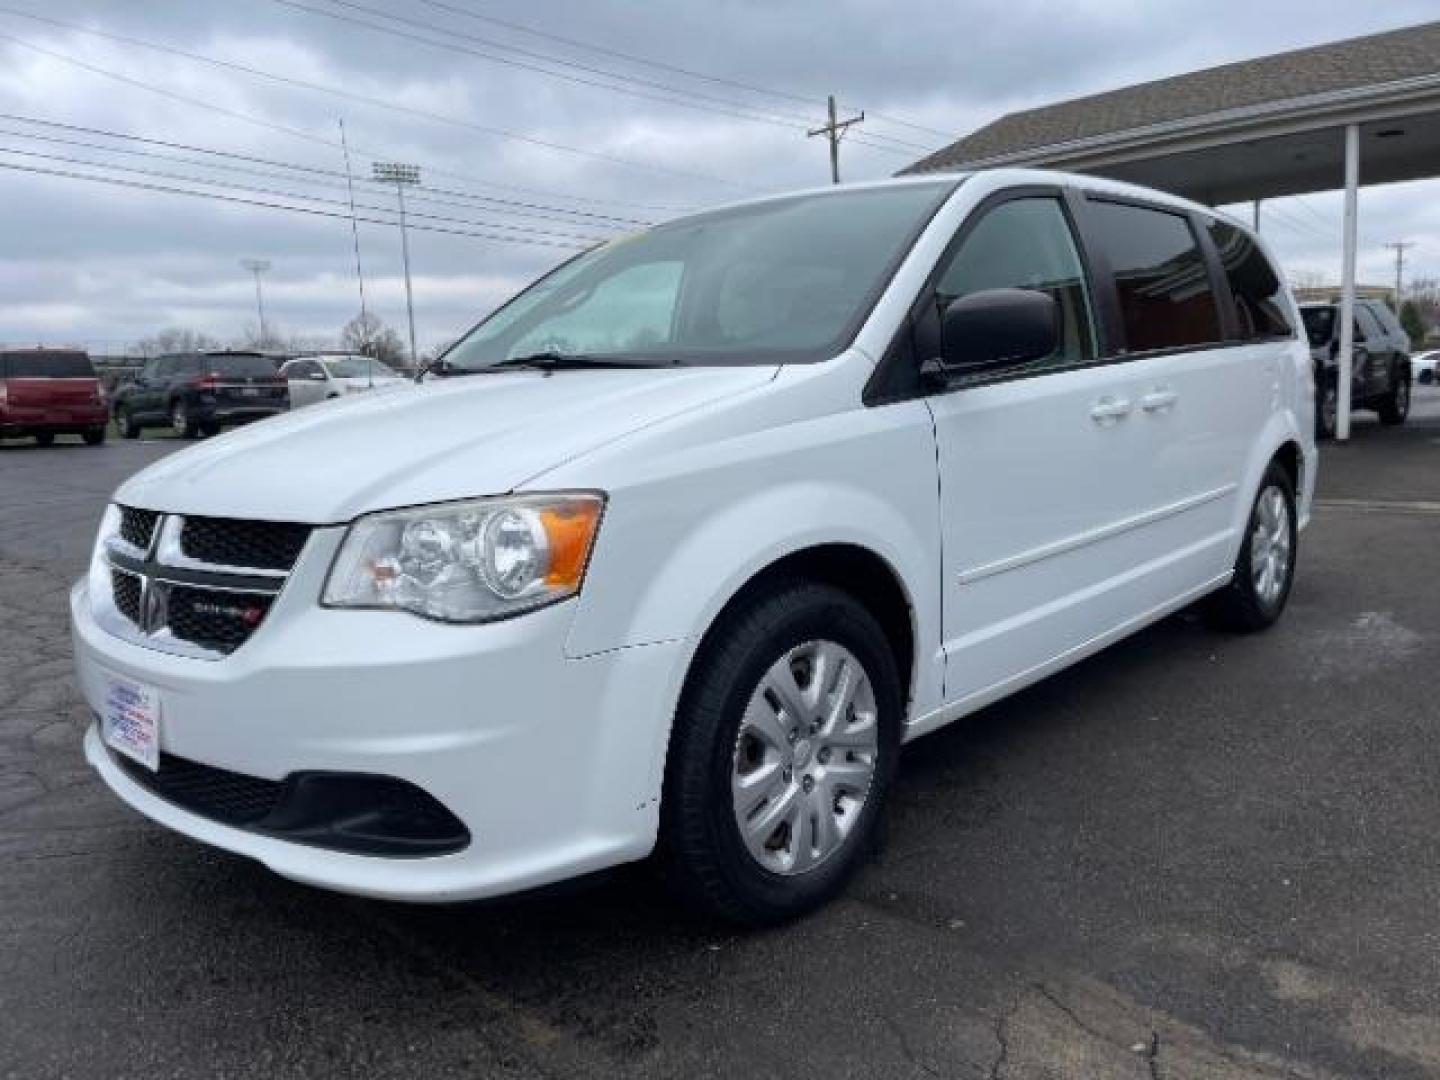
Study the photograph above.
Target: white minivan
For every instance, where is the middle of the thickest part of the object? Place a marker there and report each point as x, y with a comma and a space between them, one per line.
674, 550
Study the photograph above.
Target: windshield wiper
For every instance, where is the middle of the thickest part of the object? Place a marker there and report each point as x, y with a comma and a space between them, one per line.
550, 360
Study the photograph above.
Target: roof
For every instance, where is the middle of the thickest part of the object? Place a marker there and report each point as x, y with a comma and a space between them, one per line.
1393, 56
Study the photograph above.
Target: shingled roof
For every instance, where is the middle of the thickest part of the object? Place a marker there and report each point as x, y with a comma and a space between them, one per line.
1378, 59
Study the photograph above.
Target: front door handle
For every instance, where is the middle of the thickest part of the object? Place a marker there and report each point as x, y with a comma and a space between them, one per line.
1161, 399
1110, 410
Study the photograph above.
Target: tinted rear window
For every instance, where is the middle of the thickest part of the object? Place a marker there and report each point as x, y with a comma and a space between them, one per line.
1260, 307
46, 365
1165, 297
238, 366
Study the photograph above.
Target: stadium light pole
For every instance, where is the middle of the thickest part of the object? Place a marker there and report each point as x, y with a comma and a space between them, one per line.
393, 172
258, 267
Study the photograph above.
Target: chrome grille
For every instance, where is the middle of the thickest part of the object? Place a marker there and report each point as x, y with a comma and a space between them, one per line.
194, 586
127, 594
137, 527
222, 621
262, 545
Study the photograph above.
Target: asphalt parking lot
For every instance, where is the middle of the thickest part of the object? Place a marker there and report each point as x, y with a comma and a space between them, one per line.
1192, 856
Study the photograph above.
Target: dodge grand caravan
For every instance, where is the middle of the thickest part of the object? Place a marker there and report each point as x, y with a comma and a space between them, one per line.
695, 532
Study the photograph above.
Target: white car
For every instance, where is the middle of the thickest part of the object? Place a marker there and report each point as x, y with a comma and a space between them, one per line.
1424, 367
323, 377
697, 531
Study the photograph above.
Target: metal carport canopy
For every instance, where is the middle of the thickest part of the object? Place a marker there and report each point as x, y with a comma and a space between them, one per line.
1265, 141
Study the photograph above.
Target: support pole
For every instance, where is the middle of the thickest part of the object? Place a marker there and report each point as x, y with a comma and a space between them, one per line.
409, 296
1347, 282
1256, 215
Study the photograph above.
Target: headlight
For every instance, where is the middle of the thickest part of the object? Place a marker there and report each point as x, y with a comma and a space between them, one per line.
469, 561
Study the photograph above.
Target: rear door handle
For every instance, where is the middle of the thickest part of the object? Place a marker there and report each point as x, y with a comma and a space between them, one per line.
1110, 410
1161, 399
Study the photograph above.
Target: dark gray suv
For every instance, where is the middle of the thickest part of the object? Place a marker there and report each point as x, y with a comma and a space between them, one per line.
1380, 372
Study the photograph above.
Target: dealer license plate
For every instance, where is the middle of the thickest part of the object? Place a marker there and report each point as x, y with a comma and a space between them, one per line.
130, 720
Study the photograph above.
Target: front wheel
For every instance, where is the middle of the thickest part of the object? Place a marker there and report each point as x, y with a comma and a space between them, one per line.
181, 422
125, 424
782, 754
1395, 406
1265, 567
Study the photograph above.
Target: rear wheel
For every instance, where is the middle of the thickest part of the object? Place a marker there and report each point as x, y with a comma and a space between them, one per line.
45, 438
781, 758
1265, 567
1327, 408
1394, 407
94, 436
181, 421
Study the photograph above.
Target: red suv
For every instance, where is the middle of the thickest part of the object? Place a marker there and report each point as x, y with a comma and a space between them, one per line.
49, 392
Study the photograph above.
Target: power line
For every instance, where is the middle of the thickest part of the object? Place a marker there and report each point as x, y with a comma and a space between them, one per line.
701, 102
661, 65
301, 84
308, 210
306, 172
161, 174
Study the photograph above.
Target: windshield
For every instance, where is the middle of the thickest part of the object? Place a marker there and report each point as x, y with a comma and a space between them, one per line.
46, 364
1319, 322
786, 280
356, 367
238, 365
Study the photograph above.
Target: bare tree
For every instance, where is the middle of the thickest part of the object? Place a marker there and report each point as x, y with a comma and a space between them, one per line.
176, 339
368, 335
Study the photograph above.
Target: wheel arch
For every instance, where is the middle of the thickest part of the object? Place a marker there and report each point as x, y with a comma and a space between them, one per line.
850, 567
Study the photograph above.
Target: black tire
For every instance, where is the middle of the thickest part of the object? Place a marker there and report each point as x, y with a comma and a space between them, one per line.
126, 425
210, 428
1327, 408
44, 438
94, 436
1394, 407
181, 422
1239, 605
702, 852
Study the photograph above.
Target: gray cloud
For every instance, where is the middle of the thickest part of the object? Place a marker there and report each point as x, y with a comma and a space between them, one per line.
86, 262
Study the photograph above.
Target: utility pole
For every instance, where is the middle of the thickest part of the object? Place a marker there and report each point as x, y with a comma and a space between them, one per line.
834, 131
393, 172
1399, 248
359, 272
258, 267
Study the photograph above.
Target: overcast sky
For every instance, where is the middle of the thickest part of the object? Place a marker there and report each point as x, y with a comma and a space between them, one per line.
102, 265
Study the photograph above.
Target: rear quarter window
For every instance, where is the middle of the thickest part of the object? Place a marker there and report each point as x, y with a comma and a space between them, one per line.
1163, 284
1256, 290
47, 364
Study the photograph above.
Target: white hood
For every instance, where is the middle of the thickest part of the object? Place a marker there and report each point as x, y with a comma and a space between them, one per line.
453, 439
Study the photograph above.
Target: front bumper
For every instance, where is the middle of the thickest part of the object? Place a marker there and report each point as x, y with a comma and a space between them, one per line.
552, 764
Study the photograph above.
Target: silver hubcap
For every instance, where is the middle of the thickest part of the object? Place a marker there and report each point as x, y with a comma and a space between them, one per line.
1270, 546
804, 757
177, 419
1402, 397
1330, 407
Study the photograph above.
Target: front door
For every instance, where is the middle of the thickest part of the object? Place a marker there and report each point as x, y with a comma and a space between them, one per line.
1038, 468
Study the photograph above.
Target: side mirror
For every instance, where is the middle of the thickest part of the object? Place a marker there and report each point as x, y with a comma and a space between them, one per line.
995, 329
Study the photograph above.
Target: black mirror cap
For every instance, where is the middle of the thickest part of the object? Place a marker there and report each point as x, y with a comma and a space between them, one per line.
998, 328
